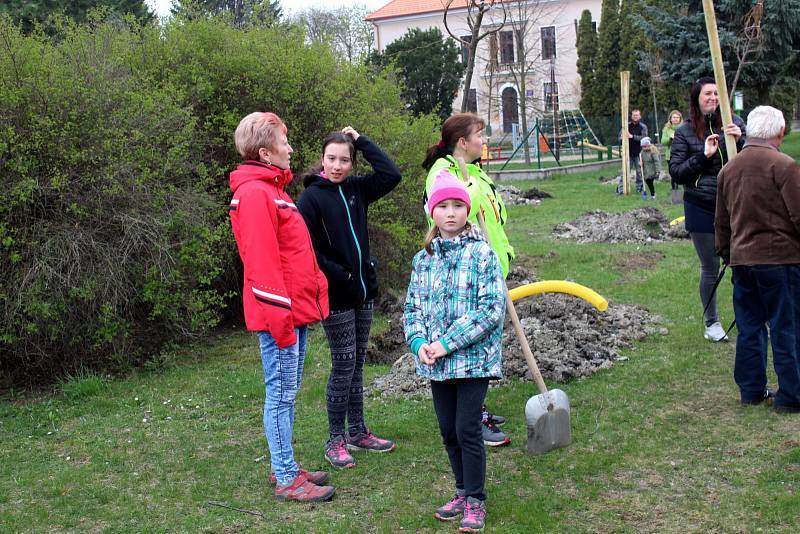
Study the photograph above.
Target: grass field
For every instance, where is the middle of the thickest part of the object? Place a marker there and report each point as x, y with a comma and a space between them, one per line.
660, 442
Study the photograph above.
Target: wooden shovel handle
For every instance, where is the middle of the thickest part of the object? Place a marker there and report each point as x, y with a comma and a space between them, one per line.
512, 312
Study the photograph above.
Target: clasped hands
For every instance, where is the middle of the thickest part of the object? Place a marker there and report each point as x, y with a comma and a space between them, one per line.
428, 354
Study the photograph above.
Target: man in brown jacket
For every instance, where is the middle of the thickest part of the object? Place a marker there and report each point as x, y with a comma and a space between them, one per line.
757, 224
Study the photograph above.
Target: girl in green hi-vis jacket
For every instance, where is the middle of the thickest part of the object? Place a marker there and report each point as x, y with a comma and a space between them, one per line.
462, 136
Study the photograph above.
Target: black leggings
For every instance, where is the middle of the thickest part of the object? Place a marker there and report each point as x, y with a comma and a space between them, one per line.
650, 186
458, 405
348, 333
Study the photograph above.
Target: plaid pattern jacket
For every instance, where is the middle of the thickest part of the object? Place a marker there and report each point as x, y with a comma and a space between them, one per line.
456, 296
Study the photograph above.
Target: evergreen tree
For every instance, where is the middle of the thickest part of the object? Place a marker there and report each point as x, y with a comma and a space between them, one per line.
605, 99
586, 46
635, 47
29, 13
429, 67
240, 13
679, 32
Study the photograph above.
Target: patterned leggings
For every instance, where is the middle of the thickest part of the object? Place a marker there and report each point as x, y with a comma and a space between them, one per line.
348, 333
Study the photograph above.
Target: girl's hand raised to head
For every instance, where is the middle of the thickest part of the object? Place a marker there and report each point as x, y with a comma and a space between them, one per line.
349, 130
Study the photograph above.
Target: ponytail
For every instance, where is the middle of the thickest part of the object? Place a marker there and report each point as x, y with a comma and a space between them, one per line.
454, 128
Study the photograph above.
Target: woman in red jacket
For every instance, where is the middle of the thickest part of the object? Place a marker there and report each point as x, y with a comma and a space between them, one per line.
284, 289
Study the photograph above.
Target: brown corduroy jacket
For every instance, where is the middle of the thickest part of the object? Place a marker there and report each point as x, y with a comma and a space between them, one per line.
758, 207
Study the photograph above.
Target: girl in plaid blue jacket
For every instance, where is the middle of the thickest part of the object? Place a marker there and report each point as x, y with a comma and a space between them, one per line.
453, 321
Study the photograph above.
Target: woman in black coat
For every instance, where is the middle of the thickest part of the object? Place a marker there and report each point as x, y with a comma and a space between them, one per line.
334, 205
698, 154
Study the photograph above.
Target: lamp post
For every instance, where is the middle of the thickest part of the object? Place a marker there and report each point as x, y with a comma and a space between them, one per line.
554, 96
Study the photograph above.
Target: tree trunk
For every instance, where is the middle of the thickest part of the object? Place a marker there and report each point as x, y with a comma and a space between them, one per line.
471, 50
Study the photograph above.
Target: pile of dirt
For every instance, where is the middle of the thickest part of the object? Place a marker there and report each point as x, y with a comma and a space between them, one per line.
513, 196
640, 225
569, 338
678, 231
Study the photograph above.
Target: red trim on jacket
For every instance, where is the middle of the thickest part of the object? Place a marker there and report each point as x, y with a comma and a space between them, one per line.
283, 285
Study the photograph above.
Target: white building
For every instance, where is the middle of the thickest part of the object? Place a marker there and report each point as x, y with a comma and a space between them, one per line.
542, 32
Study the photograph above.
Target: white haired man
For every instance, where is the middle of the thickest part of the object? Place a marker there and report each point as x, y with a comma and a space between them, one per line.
757, 225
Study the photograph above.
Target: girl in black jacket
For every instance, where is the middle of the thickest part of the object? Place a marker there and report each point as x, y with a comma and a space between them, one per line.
334, 205
698, 154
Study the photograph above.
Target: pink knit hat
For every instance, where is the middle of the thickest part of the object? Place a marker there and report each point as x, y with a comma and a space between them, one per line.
445, 187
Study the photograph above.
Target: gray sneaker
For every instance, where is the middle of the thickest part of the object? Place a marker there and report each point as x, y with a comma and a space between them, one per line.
493, 436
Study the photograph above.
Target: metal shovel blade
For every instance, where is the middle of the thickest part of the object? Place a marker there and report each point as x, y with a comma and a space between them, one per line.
547, 416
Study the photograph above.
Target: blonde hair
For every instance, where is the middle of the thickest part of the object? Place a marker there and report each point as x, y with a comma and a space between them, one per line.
433, 232
669, 117
257, 130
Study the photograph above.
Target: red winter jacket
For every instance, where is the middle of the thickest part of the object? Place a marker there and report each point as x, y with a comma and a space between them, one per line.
283, 285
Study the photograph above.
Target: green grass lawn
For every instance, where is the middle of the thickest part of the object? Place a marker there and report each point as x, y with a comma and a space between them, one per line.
660, 442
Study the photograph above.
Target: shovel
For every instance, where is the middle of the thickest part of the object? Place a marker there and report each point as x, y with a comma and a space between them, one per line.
547, 414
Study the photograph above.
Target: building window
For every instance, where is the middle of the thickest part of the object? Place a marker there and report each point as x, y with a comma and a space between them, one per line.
510, 108
548, 42
507, 47
465, 40
550, 96
472, 101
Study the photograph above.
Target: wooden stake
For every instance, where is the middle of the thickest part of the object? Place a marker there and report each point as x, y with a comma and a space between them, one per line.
719, 74
624, 93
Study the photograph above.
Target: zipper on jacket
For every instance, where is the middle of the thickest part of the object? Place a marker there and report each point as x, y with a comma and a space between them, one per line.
352, 231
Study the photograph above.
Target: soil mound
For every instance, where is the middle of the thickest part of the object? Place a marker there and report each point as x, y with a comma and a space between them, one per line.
513, 196
640, 225
569, 338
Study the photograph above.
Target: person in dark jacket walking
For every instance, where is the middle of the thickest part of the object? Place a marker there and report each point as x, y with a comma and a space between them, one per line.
334, 205
698, 154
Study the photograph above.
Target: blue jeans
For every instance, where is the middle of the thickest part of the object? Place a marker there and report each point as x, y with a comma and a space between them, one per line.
283, 370
636, 164
767, 295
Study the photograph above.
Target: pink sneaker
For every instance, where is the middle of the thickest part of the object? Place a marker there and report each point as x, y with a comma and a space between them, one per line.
337, 455
474, 516
304, 491
451, 510
315, 477
367, 441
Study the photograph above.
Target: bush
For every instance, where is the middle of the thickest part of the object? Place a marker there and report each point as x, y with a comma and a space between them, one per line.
115, 148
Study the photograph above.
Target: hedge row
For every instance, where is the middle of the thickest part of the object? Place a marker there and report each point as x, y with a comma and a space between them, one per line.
115, 144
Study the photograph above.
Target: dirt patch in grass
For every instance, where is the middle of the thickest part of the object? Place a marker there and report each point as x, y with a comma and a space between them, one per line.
635, 261
640, 225
569, 338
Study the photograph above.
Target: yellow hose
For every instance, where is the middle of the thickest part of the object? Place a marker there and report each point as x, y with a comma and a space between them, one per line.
560, 286
675, 222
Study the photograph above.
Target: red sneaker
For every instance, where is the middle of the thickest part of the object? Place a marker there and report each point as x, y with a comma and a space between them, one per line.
315, 477
367, 441
304, 491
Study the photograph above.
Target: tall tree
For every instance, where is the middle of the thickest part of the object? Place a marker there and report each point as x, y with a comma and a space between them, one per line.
635, 46
475, 13
29, 13
605, 101
428, 67
240, 13
586, 46
679, 33
344, 29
